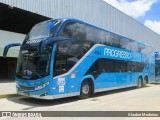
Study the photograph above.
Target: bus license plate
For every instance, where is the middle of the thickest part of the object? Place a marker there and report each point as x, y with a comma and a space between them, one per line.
26, 94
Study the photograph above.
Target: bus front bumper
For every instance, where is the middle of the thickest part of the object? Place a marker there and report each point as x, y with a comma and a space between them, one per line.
47, 97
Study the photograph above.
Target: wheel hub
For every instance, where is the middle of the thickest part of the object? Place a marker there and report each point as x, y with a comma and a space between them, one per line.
85, 89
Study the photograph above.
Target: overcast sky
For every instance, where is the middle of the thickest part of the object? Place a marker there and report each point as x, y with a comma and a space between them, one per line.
146, 12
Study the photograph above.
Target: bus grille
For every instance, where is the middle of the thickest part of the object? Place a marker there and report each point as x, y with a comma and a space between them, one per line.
26, 88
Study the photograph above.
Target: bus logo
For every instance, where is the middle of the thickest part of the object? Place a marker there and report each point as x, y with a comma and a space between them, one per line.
117, 53
61, 81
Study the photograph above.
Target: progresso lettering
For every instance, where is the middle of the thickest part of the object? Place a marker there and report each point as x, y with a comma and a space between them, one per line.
117, 53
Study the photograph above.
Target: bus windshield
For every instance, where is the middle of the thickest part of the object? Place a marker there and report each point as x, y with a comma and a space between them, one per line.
44, 30
31, 65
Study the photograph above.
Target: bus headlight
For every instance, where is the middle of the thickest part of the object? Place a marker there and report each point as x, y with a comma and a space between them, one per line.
42, 86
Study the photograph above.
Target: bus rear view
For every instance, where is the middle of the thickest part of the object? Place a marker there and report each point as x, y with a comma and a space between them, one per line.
67, 57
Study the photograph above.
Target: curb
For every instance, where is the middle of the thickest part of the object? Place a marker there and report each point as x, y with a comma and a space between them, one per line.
8, 95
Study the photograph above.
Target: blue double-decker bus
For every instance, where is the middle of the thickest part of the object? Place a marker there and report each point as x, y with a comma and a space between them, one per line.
68, 57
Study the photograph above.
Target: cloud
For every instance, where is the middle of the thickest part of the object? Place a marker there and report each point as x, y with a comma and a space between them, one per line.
136, 8
153, 25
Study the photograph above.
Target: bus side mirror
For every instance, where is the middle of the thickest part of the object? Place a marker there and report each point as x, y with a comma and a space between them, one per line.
9, 46
42, 45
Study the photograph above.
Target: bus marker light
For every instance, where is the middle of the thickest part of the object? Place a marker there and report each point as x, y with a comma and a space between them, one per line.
55, 88
50, 25
73, 75
73, 86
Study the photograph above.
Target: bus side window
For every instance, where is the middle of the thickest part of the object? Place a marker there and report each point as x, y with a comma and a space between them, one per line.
130, 67
94, 68
123, 66
117, 66
101, 65
109, 66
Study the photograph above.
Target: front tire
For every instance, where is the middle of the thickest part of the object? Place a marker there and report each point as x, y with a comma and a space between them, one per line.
85, 91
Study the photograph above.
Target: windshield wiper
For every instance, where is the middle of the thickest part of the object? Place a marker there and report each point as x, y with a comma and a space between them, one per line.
18, 74
22, 76
36, 73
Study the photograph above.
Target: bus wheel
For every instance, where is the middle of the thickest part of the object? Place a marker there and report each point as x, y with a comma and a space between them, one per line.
140, 84
85, 90
144, 81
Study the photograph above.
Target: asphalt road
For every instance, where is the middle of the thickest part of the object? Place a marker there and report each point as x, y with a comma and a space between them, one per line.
128, 99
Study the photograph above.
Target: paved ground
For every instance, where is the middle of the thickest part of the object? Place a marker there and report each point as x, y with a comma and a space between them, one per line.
130, 99
7, 87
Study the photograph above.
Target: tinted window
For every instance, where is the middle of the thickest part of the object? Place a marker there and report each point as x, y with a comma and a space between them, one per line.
92, 35
109, 65
135, 66
148, 50
145, 49
67, 56
43, 30
142, 48
114, 40
71, 48
102, 65
117, 66
74, 30
63, 63
77, 31
129, 44
120, 66
123, 66
130, 67
138, 67
99, 36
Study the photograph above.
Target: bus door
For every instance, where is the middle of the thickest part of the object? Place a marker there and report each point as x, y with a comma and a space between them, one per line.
60, 68
63, 63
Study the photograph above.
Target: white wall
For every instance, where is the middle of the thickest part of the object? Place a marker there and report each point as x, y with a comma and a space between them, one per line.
10, 37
